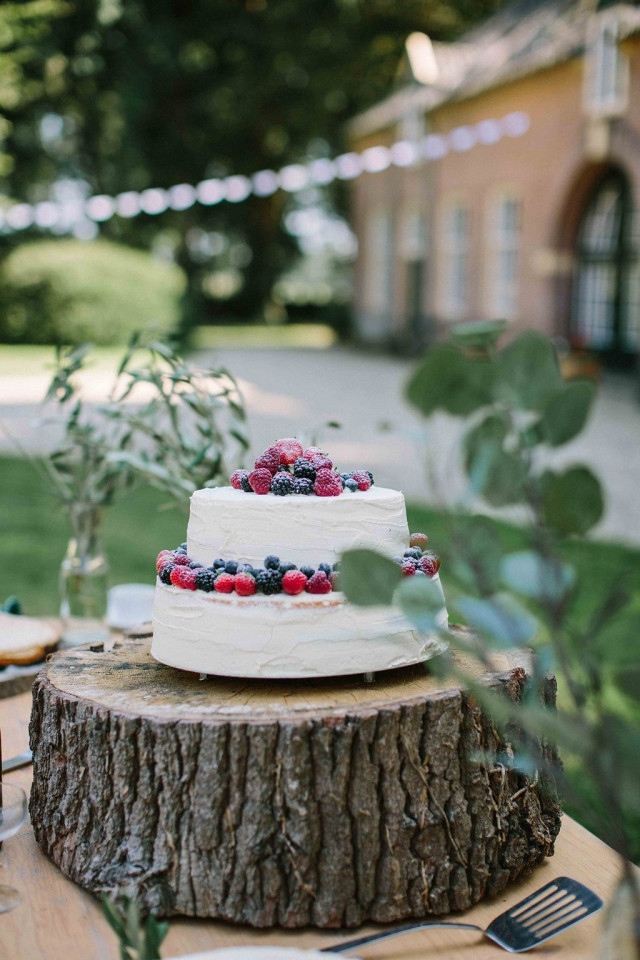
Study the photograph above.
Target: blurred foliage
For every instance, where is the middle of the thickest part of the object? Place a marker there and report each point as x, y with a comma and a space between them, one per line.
518, 409
66, 291
128, 95
139, 938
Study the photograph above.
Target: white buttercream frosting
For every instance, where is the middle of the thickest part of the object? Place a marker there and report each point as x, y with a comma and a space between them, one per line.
282, 636
303, 530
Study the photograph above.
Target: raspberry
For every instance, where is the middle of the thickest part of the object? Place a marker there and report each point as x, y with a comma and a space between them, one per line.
362, 479
269, 581
293, 582
205, 580
419, 540
351, 485
318, 583
328, 484
183, 577
165, 572
245, 584
429, 564
311, 452
321, 462
270, 460
272, 562
408, 569
237, 477
182, 560
163, 557
302, 468
282, 484
224, 583
290, 449
303, 486
260, 480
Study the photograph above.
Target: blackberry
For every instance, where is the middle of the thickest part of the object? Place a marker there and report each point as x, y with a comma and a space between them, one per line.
205, 580
351, 484
272, 562
231, 566
283, 468
303, 486
194, 565
370, 475
414, 553
246, 486
308, 571
326, 567
304, 470
165, 572
219, 563
282, 484
269, 581
287, 566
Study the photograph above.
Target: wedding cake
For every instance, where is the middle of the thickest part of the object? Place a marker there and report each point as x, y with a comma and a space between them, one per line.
255, 590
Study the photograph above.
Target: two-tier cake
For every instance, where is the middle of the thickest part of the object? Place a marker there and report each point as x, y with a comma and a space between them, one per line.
254, 591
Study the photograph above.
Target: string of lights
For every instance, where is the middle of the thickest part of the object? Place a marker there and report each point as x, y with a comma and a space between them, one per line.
57, 215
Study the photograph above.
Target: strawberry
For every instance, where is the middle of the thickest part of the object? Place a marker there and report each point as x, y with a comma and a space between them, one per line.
293, 582
245, 584
183, 577
224, 583
311, 452
419, 540
290, 449
318, 583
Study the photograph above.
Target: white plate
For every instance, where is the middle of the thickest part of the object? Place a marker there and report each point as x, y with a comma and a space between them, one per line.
258, 953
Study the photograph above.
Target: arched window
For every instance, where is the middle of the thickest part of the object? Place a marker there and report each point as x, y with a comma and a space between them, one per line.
607, 290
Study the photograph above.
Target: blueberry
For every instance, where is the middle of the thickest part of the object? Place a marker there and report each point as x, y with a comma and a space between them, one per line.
345, 476
351, 485
183, 546
308, 571
414, 553
230, 566
219, 563
272, 562
195, 565
326, 567
287, 566
180, 550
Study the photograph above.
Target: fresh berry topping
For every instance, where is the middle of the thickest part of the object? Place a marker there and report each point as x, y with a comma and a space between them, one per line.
283, 468
413, 552
181, 559
287, 566
318, 583
370, 475
429, 564
237, 477
183, 577
246, 486
312, 452
328, 484
290, 449
282, 484
194, 565
163, 557
308, 571
408, 568
165, 572
245, 584
326, 567
334, 579
180, 550
303, 486
269, 581
351, 485
224, 583
260, 480
231, 567
293, 582
219, 563
272, 562
302, 468
270, 460
321, 462
183, 546
419, 540
362, 479
205, 580
420, 573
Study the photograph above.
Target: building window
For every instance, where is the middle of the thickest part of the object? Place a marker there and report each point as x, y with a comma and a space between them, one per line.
379, 274
607, 70
456, 261
504, 256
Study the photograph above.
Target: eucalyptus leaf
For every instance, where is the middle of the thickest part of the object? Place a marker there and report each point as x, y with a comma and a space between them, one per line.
498, 476
367, 578
533, 575
420, 599
479, 334
565, 412
447, 380
529, 370
572, 501
500, 619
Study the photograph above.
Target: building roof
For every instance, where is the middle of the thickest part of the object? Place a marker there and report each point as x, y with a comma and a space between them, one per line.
524, 38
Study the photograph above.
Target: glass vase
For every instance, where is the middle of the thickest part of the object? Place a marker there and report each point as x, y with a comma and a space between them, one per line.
83, 579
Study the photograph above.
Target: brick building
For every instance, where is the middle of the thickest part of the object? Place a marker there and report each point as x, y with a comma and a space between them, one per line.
535, 218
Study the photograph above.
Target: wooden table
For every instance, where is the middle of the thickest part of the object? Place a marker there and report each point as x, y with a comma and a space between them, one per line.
57, 920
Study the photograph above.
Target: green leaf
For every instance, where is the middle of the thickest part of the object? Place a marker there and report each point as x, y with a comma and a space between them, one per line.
499, 476
628, 681
478, 335
501, 619
565, 412
572, 502
493, 430
476, 551
367, 578
529, 370
529, 573
447, 380
420, 599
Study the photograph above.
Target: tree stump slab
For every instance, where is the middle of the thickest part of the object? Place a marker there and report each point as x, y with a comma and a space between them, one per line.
322, 802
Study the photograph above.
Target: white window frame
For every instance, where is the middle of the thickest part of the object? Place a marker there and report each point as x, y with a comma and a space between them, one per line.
456, 258
606, 91
503, 243
380, 254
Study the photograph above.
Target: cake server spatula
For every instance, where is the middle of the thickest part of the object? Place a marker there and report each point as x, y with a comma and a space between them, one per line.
552, 909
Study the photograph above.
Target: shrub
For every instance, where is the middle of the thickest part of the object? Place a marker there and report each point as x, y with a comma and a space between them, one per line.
67, 291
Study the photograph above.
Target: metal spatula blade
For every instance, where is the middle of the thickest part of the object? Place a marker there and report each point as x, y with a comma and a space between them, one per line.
540, 916
549, 911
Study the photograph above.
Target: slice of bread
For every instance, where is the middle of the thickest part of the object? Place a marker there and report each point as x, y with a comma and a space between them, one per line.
25, 640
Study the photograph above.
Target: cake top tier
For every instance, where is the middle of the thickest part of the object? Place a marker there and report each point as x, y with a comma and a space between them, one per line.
225, 522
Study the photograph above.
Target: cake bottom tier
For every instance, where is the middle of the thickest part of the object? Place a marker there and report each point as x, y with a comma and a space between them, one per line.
283, 636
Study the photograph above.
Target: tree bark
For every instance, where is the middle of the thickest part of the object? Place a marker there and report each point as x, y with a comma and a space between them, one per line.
318, 802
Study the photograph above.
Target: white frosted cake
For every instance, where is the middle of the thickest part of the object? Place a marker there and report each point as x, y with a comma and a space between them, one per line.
254, 592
